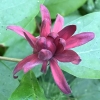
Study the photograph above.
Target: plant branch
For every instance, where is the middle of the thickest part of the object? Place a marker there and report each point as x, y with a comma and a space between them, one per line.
10, 59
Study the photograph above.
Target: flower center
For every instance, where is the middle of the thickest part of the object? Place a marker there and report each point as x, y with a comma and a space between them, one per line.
45, 54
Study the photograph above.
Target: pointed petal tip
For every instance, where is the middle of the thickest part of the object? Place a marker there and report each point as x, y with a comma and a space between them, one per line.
92, 35
15, 77
58, 25
76, 62
73, 27
68, 91
10, 27
7, 27
60, 17
42, 7
14, 72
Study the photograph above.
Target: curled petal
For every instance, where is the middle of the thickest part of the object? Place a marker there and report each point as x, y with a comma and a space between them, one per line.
59, 77
44, 66
19, 30
67, 32
61, 45
79, 39
58, 24
68, 56
27, 63
41, 43
45, 14
45, 28
50, 45
76, 62
44, 54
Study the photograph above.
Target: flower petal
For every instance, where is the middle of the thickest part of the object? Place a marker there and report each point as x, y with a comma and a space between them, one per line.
44, 66
76, 62
61, 45
53, 35
27, 63
58, 24
19, 30
67, 32
68, 56
50, 45
79, 39
31, 42
45, 28
44, 54
46, 21
41, 43
45, 14
59, 77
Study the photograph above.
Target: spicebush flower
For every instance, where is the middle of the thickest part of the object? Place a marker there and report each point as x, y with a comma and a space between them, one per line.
53, 45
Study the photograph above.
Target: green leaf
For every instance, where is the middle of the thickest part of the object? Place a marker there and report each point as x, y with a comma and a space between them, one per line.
90, 52
63, 7
7, 82
20, 12
83, 89
90, 6
20, 50
29, 89
52, 92
97, 5
71, 17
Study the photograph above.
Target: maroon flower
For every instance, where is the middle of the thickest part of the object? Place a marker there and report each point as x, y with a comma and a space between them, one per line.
52, 45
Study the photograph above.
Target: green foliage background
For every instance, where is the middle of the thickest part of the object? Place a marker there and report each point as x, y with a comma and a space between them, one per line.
37, 86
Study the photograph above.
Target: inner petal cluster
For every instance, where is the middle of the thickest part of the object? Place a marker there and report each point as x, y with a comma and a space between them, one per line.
44, 54
45, 47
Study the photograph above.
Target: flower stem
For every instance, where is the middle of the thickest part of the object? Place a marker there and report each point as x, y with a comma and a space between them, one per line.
10, 59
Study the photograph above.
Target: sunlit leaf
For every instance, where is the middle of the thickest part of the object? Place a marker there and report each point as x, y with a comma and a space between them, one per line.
29, 89
63, 7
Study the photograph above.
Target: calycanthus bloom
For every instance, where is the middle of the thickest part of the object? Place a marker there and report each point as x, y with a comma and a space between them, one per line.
51, 46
